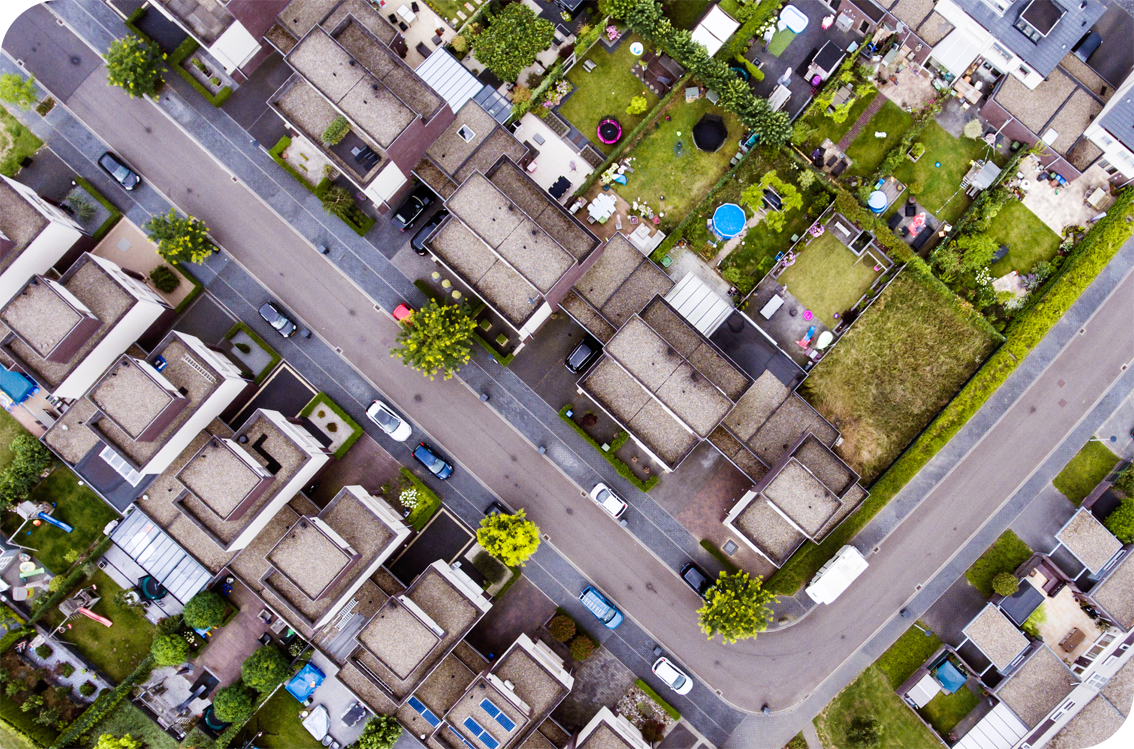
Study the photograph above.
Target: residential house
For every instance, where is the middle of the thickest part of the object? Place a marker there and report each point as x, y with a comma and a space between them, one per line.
1112, 131
997, 638
136, 419
609, 730
229, 30
1089, 541
64, 332
34, 236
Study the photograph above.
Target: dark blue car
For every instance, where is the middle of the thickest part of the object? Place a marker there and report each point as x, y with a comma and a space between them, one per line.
434, 462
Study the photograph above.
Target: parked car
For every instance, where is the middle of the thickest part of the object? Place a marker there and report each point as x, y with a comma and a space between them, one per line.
389, 422
418, 241
278, 320
696, 579
605, 498
583, 356
412, 207
402, 312
597, 604
426, 455
674, 677
118, 171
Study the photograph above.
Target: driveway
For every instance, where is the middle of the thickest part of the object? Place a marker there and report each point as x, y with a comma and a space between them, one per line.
444, 538
285, 391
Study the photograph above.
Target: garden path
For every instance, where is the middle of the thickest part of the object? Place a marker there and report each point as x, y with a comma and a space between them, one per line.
864, 118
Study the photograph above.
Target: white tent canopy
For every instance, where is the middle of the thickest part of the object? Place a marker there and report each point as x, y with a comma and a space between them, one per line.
957, 51
924, 691
715, 29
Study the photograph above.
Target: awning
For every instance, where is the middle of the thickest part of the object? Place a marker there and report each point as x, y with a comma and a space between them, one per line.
161, 556
698, 304
957, 51
923, 691
1000, 729
235, 47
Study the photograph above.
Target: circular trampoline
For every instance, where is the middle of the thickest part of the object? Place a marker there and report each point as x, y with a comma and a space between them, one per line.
877, 202
710, 133
151, 589
609, 131
728, 220
210, 719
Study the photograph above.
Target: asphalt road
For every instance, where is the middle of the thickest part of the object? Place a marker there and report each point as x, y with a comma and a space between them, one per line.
779, 669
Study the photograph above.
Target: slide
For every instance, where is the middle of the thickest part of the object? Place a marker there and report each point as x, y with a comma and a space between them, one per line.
57, 523
92, 615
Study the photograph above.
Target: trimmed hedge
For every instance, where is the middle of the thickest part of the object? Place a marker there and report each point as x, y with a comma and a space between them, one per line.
619, 465
669, 709
325, 400
720, 556
102, 706
276, 358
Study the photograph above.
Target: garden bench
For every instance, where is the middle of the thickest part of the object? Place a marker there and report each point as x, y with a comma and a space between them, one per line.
589, 65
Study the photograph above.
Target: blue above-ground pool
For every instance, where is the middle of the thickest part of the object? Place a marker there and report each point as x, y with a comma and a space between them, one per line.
305, 682
728, 220
877, 202
950, 678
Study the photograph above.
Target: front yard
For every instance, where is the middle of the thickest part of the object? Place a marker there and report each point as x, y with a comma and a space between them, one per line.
906, 655
887, 377
1006, 554
938, 188
1028, 239
1089, 466
606, 91
828, 278
871, 696
16, 143
868, 151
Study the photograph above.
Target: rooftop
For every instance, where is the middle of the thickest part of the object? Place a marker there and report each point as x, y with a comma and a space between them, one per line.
996, 637
793, 419
1116, 593
764, 527
20, 222
1037, 686
1120, 689
222, 475
534, 684
462, 138
311, 555
547, 213
605, 737
802, 497
1091, 726
1090, 542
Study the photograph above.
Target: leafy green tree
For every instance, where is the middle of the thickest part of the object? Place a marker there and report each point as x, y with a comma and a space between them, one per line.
380, 732
510, 538
512, 40
1120, 521
1005, 584
436, 338
753, 197
265, 668
737, 607
18, 91
169, 650
338, 201
234, 703
180, 239
110, 741
863, 732
204, 610
30, 459
638, 105
134, 66
976, 251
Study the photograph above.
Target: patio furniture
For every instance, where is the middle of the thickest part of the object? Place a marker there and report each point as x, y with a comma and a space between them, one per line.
1097, 198
589, 65
406, 14
436, 40
318, 723
393, 18
402, 26
771, 307
1073, 639
840, 168
414, 7
911, 208
1000, 254
894, 221
618, 221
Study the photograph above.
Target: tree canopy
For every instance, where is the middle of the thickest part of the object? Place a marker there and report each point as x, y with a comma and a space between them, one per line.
265, 668
753, 197
512, 40
1005, 583
737, 607
204, 610
180, 239
110, 741
169, 650
380, 732
1120, 521
510, 538
30, 458
134, 66
234, 703
436, 338
18, 91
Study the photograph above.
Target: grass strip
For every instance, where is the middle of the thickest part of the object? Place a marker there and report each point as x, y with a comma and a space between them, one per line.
1083, 473
356, 430
669, 709
619, 440
114, 216
276, 358
1006, 554
720, 556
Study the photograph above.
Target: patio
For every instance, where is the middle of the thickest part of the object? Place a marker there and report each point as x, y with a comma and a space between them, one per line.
1062, 617
555, 160
421, 36
1060, 207
786, 325
128, 247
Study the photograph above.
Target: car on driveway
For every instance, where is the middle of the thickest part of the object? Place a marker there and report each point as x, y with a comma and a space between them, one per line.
419, 239
389, 422
412, 207
674, 677
278, 320
605, 498
696, 579
598, 605
583, 355
402, 312
118, 171
429, 458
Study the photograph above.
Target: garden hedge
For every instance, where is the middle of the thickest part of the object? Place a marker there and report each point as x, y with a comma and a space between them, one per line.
325, 400
358, 227
114, 216
669, 709
619, 465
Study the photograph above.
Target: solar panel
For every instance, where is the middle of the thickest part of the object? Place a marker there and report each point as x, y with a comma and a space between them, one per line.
424, 711
497, 714
480, 733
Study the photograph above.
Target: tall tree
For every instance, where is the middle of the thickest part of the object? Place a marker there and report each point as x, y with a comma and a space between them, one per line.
134, 66
18, 91
790, 199
205, 609
510, 538
234, 703
512, 40
737, 608
180, 238
338, 201
436, 338
380, 732
265, 668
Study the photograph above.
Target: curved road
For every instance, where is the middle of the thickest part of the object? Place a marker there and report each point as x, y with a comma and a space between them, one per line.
780, 668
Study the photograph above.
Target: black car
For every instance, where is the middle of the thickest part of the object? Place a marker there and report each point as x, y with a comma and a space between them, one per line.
418, 241
278, 320
583, 355
429, 458
412, 207
696, 579
118, 171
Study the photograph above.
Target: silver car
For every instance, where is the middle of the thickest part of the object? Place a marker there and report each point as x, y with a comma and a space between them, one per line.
389, 422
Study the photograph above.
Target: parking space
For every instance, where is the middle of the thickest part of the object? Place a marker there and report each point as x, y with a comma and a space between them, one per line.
1047, 513
365, 464
248, 104
206, 319
540, 363
953, 611
524, 608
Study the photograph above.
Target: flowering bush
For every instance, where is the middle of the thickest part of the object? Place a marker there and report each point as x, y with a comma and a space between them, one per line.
817, 230
556, 93
612, 32
408, 498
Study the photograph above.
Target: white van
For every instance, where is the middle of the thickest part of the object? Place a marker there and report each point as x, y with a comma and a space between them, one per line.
836, 575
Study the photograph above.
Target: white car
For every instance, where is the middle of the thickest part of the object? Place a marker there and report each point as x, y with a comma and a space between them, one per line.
389, 422
605, 498
674, 677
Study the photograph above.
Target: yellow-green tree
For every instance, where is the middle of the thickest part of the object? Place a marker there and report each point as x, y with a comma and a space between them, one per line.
436, 338
753, 197
18, 91
737, 607
110, 741
180, 239
510, 538
134, 66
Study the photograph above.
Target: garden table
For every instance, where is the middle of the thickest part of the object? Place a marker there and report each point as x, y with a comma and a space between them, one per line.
406, 14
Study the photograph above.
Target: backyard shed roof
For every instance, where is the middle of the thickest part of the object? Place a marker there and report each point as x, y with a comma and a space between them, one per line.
924, 691
699, 304
161, 556
715, 29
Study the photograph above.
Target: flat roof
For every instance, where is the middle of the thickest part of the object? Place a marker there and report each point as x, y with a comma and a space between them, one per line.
220, 476
996, 637
43, 314
605, 737
132, 394
756, 406
1116, 593
1095, 723
761, 524
309, 557
450, 151
533, 683
1037, 686
471, 707
399, 638
380, 60
791, 420
498, 144
20, 222
690, 343
1089, 540
1120, 689
802, 497
547, 213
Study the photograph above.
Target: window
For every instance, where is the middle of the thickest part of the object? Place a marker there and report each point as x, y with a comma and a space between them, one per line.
862, 27
466, 133
119, 464
1028, 30
1004, 54
998, 6
424, 711
496, 713
1098, 681
476, 730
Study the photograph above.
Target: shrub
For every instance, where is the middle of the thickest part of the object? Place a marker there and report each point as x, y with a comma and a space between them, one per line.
44, 651
459, 44
65, 669
87, 689
653, 730
638, 105
336, 131
265, 668
561, 627
1005, 583
243, 348
1120, 522
29, 460
582, 647
83, 208
917, 150
380, 732
215, 81
973, 129
169, 650
18, 91
863, 732
234, 703
204, 610
165, 279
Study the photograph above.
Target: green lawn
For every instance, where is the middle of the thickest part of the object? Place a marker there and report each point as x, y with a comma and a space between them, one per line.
907, 655
686, 13
1089, 466
891, 373
1029, 240
827, 278
945, 711
941, 186
1005, 555
16, 143
76, 505
9, 430
116, 650
13, 740
606, 91
867, 151
825, 127
447, 9
683, 180
279, 719
870, 695
780, 41
126, 718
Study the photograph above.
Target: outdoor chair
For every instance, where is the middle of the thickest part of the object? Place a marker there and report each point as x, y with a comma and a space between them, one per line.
393, 18
894, 221
402, 26
589, 65
414, 7
911, 208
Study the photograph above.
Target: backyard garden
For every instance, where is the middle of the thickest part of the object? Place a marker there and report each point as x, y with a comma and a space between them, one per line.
1006, 554
16, 143
282, 728
828, 278
881, 135
1028, 239
818, 126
